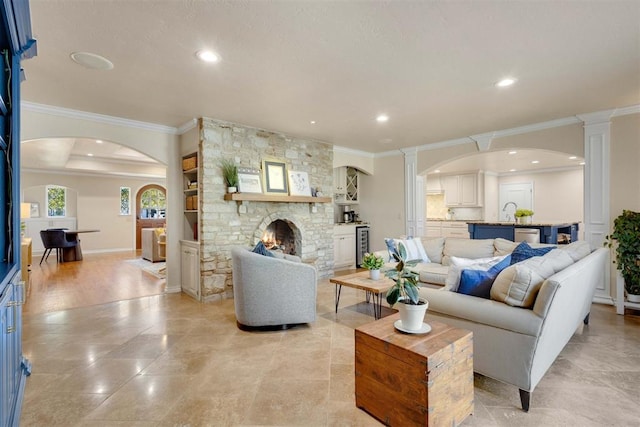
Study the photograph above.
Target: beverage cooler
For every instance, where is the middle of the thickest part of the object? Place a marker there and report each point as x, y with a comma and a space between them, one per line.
362, 243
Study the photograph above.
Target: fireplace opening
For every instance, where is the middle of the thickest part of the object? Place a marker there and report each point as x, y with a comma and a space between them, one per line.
280, 235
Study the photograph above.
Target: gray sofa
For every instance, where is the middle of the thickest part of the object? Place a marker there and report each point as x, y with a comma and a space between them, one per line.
517, 345
272, 292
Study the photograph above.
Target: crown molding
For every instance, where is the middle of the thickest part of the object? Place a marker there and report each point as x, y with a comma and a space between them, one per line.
537, 171
187, 126
100, 118
632, 109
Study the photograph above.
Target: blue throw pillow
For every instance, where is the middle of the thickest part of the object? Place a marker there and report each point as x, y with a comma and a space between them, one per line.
524, 251
261, 249
478, 283
391, 247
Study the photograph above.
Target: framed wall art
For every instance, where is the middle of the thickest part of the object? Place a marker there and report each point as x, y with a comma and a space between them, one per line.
275, 177
249, 181
299, 183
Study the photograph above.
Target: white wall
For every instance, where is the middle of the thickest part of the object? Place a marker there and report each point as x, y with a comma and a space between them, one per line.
557, 196
97, 206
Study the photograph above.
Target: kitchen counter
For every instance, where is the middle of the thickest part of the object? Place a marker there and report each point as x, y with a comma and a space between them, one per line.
549, 231
352, 223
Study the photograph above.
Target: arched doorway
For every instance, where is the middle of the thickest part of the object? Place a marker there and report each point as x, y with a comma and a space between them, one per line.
151, 209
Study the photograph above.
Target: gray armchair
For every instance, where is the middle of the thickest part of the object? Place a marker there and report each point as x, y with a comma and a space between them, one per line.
272, 292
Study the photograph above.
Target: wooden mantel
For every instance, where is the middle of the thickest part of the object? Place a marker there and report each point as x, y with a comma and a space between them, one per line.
258, 197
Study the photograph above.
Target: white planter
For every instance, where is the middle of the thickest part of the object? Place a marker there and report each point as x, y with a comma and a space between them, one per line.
412, 316
633, 298
524, 219
232, 190
374, 274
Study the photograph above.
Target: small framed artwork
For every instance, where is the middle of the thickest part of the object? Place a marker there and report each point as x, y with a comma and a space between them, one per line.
35, 210
299, 184
275, 177
249, 181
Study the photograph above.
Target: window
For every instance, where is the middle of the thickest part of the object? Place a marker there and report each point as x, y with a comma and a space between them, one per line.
125, 201
153, 204
56, 201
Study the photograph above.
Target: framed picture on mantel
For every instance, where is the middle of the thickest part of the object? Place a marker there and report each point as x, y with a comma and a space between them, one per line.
249, 181
275, 177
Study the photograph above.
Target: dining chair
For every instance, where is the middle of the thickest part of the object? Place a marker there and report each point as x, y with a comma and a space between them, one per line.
55, 238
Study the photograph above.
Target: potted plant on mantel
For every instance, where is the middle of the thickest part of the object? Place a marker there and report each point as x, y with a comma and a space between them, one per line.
230, 174
405, 292
373, 263
523, 216
626, 235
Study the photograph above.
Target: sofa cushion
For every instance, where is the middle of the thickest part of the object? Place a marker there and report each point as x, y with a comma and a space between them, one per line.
478, 283
467, 248
577, 250
458, 264
503, 246
523, 251
518, 284
432, 273
433, 248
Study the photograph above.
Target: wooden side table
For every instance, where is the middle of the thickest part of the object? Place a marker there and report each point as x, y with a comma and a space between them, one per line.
414, 380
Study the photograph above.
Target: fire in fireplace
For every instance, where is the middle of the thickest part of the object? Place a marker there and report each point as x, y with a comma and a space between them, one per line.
279, 235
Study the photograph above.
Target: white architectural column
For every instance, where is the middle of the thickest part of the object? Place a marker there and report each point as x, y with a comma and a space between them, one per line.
410, 173
597, 130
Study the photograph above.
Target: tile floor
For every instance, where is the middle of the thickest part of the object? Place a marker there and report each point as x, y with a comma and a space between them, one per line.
167, 360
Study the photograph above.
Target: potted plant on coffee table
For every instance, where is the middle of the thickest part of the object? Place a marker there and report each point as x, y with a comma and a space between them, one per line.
523, 216
373, 263
412, 308
626, 236
230, 174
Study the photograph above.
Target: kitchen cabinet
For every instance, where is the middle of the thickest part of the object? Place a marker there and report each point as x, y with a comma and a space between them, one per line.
434, 184
457, 229
344, 246
34, 225
190, 268
466, 190
433, 229
345, 185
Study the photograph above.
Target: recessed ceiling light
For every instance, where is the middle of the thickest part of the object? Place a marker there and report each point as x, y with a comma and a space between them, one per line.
535, 162
512, 170
313, 122
506, 82
436, 171
90, 155
512, 152
573, 158
91, 60
207, 56
581, 163
98, 141
382, 118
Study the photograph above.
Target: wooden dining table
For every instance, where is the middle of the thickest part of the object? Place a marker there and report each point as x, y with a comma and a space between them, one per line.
74, 253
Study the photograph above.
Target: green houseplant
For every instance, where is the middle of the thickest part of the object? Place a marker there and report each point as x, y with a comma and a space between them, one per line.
626, 240
230, 174
523, 216
405, 291
373, 263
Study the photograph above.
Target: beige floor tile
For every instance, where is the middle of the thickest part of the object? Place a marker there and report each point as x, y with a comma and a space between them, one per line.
58, 409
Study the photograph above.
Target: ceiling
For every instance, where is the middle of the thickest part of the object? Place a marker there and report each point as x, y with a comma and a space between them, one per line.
429, 65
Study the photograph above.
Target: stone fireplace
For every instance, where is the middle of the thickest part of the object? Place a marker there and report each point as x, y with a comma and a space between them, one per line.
282, 235
301, 228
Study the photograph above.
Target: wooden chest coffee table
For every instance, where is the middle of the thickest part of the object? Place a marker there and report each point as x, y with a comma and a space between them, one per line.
414, 380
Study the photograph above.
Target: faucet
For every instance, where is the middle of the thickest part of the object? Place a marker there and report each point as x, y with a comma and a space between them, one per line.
515, 208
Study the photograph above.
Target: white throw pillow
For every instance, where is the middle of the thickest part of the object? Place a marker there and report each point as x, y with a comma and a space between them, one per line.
456, 265
414, 249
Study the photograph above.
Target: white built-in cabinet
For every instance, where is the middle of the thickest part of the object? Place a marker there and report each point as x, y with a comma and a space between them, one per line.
465, 190
34, 225
344, 246
190, 267
458, 229
345, 185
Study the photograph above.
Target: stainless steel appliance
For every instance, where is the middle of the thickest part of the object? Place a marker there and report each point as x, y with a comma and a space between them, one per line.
362, 243
348, 215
